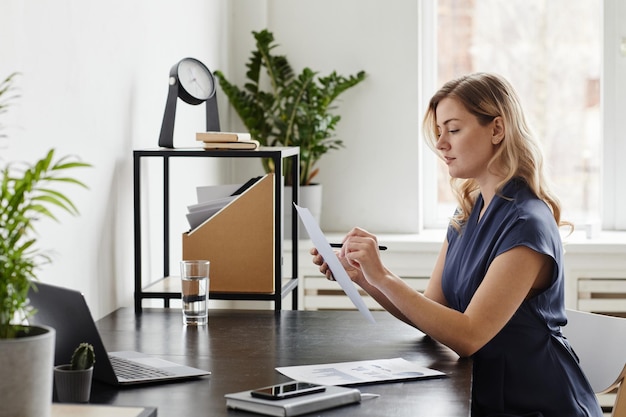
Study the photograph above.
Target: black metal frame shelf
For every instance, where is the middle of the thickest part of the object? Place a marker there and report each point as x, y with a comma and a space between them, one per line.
165, 288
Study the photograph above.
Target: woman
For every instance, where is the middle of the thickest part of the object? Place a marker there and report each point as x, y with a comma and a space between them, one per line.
496, 291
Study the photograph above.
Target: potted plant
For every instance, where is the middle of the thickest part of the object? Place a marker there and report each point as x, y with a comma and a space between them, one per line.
294, 110
27, 194
73, 380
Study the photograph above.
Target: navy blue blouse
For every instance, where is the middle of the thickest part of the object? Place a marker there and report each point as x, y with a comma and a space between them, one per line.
528, 368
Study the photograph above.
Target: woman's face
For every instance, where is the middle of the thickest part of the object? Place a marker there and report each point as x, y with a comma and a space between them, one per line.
465, 146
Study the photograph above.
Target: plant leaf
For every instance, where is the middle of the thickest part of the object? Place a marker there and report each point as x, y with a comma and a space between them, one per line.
282, 109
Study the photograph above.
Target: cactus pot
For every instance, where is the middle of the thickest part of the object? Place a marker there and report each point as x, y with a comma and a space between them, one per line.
26, 363
72, 386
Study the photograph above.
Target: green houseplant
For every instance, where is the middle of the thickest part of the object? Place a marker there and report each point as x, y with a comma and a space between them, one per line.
294, 110
27, 194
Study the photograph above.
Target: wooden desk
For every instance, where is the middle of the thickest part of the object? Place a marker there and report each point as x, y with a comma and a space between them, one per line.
242, 347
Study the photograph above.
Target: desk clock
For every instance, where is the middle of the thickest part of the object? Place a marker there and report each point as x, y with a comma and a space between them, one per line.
191, 81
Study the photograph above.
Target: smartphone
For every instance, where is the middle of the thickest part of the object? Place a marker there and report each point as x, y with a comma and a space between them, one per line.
287, 390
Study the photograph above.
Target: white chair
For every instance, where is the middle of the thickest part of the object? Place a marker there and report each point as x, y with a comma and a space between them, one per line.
600, 343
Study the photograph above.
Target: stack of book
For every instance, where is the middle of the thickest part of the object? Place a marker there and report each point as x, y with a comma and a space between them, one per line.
226, 140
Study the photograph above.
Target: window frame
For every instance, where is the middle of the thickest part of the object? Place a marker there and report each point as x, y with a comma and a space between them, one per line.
613, 106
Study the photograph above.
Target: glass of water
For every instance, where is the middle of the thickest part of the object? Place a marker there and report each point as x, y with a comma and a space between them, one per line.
195, 291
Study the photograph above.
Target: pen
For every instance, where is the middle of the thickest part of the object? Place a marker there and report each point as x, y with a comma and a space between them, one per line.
338, 245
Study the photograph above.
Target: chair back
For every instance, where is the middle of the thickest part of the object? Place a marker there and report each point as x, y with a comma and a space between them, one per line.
600, 343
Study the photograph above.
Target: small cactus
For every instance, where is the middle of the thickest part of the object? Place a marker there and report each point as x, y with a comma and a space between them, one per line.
83, 357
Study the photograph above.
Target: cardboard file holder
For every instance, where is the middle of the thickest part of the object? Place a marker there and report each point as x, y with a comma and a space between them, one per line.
238, 240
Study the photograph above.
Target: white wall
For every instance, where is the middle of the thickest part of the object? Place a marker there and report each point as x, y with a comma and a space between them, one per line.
373, 182
94, 83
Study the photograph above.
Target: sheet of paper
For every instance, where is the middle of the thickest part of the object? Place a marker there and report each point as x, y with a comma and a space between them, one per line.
217, 203
211, 192
340, 274
359, 372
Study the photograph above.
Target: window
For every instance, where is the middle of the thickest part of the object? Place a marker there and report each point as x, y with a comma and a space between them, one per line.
552, 52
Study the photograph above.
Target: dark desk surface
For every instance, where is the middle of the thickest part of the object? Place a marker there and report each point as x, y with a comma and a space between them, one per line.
242, 347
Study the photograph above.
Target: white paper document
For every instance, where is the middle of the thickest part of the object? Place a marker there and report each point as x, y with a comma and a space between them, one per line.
340, 274
199, 213
359, 372
211, 192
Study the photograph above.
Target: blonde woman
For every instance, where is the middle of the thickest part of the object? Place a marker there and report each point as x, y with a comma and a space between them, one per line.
496, 291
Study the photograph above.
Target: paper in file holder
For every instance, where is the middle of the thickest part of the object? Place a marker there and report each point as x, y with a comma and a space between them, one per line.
239, 242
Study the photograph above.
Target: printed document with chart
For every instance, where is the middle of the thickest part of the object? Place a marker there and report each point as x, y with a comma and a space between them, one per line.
359, 372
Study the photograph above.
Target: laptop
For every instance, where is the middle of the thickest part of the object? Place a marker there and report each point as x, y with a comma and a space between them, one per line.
67, 312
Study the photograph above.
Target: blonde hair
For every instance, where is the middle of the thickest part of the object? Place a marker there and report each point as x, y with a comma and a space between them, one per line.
519, 155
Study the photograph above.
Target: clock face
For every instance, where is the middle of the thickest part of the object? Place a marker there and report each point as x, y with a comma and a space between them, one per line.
196, 79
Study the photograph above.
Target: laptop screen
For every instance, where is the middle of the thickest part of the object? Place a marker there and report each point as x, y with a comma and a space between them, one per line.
67, 312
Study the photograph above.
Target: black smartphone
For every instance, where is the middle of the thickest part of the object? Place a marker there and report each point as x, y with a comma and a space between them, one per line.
287, 390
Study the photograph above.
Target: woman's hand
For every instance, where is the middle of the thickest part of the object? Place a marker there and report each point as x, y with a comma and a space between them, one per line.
360, 257
354, 274
360, 251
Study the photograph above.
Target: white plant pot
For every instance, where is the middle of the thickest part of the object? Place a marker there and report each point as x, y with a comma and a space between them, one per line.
311, 198
26, 363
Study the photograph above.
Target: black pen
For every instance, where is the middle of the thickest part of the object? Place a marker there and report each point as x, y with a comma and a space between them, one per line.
338, 245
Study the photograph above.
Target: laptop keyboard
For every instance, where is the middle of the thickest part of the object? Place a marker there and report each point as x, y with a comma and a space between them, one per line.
125, 369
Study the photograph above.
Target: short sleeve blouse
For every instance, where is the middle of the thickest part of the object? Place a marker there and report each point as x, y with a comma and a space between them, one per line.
528, 368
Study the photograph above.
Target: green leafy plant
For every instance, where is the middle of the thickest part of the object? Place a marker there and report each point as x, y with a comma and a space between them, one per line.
83, 357
27, 195
295, 110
